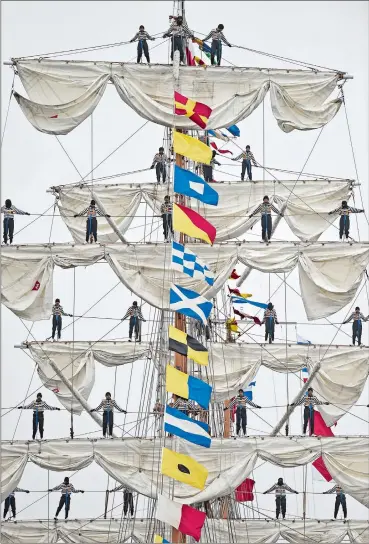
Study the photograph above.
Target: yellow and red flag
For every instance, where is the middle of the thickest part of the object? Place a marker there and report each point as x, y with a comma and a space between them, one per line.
193, 224
196, 111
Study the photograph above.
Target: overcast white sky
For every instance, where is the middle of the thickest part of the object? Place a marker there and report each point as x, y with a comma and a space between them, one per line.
332, 34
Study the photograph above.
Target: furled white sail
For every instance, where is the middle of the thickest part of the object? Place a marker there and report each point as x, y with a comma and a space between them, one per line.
62, 93
136, 462
113, 531
306, 205
340, 380
330, 273
76, 361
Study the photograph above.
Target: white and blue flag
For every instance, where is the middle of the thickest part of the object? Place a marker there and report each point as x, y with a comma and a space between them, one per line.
184, 260
177, 423
248, 391
189, 303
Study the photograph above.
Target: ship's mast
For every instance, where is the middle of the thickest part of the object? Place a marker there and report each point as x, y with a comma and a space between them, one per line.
180, 361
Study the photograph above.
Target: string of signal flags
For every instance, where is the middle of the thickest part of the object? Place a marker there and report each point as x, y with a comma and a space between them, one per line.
180, 467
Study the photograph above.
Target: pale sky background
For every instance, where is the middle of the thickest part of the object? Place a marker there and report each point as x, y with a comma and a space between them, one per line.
332, 34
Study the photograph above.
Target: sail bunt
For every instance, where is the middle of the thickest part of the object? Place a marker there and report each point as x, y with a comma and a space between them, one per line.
329, 273
112, 530
306, 206
228, 462
77, 361
61, 94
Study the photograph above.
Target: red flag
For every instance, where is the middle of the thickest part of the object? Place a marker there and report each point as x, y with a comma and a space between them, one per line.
36, 287
322, 469
234, 275
55, 390
321, 429
198, 113
54, 117
223, 151
244, 491
242, 316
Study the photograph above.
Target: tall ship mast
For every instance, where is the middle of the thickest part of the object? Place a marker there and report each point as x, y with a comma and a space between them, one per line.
202, 246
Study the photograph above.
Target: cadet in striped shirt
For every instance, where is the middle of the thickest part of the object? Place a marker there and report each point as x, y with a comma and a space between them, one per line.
247, 158
108, 405
265, 210
217, 38
357, 325
127, 498
57, 312
91, 223
340, 499
38, 406
66, 489
270, 319
8, 226
344, 211
280, 489
240, 403
142, 36
160, 160
10, 502
178, 30
166, 211
309, 401
135, 316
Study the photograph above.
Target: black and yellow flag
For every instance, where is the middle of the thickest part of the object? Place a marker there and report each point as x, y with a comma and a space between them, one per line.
183, 343
183, 468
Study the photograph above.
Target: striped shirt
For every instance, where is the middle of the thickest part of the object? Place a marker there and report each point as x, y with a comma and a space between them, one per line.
335, 489
166, 208
66, 489
216, 36
134, 311
18, 490
356, 316
160, 158
185, 405
58, 310
270, 313
10, 212
346, 211
91, 211
178, 30
241, 401
108, 405
247, 156
142, 35
39, 406
308, 401
280, 490
265, 208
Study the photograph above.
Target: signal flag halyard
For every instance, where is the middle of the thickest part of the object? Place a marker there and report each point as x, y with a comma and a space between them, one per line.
193, 224
184, 344
196, 111
183, 468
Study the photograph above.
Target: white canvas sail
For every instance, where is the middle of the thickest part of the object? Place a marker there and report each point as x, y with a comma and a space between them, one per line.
61, 95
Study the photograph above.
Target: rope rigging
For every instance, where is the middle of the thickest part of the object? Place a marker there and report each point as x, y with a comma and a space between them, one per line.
146, 421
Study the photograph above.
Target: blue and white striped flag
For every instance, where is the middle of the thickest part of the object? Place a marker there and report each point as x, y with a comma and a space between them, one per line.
179, 424
184, 260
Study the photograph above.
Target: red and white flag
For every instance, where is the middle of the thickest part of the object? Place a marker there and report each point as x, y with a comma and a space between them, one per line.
36, 287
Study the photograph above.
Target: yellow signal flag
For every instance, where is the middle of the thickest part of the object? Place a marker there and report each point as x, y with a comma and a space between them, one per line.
231, 324
192, 148
183, 468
